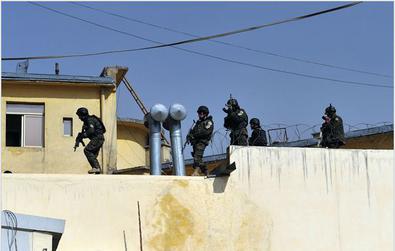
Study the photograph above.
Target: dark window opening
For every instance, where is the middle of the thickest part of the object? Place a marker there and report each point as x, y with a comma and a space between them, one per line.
13, 130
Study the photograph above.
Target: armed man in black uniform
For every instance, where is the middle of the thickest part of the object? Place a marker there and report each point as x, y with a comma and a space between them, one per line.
236, 121
332, 131
258, 135
199, 137
93, 128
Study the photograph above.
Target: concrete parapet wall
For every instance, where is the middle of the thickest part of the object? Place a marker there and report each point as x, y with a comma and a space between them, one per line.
177, 213
320, 199
278, 199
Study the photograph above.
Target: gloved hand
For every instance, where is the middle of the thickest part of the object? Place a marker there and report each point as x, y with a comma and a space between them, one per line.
189, 137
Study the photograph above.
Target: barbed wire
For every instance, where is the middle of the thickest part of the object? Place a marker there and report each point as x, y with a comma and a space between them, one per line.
221, 140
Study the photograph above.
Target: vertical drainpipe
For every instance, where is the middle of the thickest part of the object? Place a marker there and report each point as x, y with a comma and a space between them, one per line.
177, 113
102, 99
158, 114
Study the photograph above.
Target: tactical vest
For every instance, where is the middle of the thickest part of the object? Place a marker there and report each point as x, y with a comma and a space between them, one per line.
202, 131
261, 139
99, 128
236, 120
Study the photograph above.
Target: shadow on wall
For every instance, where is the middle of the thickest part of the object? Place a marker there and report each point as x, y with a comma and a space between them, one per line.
221, 174
219, 184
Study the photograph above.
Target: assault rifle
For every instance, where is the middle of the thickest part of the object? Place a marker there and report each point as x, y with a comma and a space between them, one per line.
188, 139
78, 140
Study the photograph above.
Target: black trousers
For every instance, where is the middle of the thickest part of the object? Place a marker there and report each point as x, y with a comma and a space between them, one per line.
92, 150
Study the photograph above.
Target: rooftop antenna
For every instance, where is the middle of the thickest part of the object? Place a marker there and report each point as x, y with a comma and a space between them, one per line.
21, 67
56, 68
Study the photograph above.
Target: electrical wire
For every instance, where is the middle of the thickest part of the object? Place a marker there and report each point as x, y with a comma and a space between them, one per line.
221, 58
337, 81
168, 44
232, 44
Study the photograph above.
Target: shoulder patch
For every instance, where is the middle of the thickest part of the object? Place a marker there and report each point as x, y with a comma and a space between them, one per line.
240, 113
208, 124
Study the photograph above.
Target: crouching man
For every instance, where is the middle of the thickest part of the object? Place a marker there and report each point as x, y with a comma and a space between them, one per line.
93, 128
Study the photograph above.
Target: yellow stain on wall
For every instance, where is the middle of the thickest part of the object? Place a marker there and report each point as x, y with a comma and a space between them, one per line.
182, 183
15, 151
254, 229
175, 222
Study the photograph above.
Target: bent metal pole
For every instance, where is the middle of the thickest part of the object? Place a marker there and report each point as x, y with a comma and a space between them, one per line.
158, 114
177, 113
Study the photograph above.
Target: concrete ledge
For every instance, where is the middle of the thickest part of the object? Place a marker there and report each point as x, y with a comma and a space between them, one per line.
277, 199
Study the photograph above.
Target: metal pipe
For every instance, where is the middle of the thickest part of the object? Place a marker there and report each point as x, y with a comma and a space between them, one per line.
177, 113
158, 114
104, 168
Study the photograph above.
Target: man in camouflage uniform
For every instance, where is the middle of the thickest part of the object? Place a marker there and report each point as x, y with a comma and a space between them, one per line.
332, 132
93, 128
258, 135
199, 137
236, 121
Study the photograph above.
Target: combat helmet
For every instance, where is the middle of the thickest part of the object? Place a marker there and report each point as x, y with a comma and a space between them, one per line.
232, 102
203, 109
82, 112
330, 110
255, 122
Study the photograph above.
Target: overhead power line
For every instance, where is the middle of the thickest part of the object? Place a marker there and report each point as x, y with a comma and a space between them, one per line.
231, 44
335, 81
203, 54
160, 44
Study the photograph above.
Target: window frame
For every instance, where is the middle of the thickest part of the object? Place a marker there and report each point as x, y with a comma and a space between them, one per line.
71, 126
23, 114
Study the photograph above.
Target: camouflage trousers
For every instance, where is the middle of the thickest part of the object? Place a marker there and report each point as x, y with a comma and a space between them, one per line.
198, 150
92, 150
239, 137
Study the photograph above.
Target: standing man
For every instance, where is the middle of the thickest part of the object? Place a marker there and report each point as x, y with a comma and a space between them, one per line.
93, 128
236, 121
332, 132
199, 137
258, 135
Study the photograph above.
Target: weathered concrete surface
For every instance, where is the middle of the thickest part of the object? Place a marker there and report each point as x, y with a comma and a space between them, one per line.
320, 199
178, 213
278, 199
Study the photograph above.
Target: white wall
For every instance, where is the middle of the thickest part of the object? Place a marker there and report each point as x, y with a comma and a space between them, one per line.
177, 213
278, 199
321, 199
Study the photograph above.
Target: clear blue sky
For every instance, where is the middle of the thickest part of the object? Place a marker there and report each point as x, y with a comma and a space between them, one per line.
360, 37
